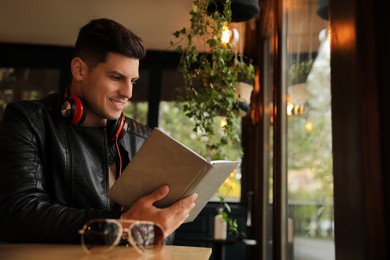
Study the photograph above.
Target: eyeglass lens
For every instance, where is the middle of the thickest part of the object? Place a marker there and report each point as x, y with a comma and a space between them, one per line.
145, 235
100, 235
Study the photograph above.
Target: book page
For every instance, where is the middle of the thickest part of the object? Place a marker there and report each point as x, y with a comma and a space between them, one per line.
210, 183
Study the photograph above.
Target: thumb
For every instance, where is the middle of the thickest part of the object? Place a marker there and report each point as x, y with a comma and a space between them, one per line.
159, 193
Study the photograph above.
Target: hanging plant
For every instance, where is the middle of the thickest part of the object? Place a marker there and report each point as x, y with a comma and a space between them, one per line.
299, 71
209, 77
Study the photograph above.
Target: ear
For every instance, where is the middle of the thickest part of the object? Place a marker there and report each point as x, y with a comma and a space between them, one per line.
79, 69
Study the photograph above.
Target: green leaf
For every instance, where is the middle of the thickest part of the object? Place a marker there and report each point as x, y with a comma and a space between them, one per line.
194, 8
228, 207
212, 42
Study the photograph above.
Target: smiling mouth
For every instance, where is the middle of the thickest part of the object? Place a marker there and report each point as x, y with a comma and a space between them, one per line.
118, 103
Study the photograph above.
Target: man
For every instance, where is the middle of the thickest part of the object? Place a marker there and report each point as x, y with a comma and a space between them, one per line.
60, 155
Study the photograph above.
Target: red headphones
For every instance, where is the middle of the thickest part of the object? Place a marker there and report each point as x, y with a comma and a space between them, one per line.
116, 129
74, 110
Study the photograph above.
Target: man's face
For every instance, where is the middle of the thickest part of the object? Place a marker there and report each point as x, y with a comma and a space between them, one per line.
108, 86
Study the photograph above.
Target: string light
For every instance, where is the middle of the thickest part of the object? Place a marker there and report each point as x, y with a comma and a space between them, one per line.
293, 109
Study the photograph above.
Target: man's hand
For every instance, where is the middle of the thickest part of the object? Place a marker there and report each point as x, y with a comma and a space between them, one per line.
169, 218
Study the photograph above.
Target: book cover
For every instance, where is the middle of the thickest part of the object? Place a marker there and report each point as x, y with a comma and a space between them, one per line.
163, 160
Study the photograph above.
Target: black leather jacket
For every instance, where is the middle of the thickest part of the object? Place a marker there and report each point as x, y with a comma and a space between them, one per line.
54, 175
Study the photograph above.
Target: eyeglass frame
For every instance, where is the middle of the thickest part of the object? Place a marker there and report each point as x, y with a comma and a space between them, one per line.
122, 231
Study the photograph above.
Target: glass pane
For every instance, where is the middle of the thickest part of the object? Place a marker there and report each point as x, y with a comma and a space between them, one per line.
137, 107
26, 83
173, 121
310, 176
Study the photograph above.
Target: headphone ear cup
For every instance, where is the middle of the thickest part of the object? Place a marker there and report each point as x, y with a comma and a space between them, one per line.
116, 129
74, 110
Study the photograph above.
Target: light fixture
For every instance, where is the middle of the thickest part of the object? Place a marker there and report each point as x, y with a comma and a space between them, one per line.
230, 36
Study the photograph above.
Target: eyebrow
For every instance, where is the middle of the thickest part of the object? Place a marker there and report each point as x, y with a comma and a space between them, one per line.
122, 75
135, 79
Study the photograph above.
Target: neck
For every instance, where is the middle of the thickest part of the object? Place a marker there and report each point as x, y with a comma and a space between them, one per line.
92, 120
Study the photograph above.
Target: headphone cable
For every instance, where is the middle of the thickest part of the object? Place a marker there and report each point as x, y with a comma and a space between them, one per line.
119, 163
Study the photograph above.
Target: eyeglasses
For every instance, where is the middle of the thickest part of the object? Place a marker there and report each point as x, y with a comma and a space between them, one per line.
101, 235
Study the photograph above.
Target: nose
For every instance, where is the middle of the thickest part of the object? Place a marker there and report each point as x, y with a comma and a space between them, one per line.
127, 90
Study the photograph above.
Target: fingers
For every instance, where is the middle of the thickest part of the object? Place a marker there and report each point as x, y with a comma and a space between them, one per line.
179, 212
162, 191
182, 208
157, 194
187, 203
143, 208
169, 218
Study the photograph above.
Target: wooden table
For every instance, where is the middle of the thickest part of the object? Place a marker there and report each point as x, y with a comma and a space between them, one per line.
60, 252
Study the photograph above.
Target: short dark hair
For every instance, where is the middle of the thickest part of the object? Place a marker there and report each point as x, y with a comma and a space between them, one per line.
101, 36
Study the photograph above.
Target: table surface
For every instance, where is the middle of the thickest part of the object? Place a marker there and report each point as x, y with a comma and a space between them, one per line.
60, 252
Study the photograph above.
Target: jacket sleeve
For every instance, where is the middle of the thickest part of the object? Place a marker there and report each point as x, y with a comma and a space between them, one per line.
27, 213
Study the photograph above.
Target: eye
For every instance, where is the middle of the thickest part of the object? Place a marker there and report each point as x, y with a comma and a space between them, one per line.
134, 81
116, 77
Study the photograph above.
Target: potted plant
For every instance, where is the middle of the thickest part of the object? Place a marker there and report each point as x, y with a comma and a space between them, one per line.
224, 215
299, 71
210, 77
244, 74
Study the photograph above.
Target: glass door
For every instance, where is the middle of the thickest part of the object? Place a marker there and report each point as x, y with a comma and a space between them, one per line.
306, 80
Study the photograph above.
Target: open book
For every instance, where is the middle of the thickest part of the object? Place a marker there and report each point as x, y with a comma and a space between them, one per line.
163, 160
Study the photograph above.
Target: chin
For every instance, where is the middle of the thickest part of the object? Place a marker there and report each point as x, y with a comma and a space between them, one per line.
114, 117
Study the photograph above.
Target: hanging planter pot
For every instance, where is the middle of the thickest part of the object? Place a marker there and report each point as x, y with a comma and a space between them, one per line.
243, 95
244, 74
242, 10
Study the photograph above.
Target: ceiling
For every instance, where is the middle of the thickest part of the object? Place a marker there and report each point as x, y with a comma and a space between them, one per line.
57, 22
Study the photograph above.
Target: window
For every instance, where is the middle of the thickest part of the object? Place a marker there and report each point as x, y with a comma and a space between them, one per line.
138, 106
26, 83
306, 63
